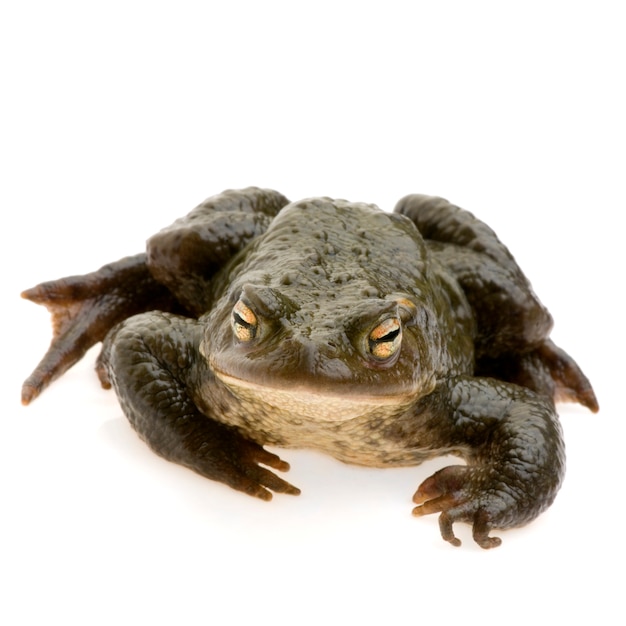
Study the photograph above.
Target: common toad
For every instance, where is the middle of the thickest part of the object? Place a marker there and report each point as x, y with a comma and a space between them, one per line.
383, 339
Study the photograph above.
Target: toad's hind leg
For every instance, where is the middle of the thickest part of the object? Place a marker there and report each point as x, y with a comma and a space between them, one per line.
174, 275
84, 309
509, 316
185, 255
513, 326
547, 369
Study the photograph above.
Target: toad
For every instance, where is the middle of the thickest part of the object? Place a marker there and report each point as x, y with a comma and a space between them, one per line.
382, 339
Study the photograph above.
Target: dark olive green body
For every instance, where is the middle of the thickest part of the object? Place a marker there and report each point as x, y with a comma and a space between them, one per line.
381, 339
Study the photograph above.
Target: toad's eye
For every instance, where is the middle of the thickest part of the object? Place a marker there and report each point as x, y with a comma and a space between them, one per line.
384, 341
245, 323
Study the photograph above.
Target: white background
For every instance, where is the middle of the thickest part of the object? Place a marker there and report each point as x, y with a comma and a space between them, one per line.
118, 118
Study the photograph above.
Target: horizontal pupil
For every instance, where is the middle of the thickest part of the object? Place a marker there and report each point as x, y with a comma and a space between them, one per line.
386, 338
241, 322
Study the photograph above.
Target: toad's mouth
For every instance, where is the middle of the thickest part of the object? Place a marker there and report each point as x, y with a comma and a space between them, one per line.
323, 404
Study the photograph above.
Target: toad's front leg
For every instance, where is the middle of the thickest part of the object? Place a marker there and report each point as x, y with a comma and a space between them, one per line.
152, 361
512, 442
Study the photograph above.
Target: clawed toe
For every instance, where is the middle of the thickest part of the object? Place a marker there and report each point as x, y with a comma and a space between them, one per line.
440, 490
449, 492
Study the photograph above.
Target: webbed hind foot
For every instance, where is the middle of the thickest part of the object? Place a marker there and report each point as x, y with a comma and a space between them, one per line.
548, 370
84, 309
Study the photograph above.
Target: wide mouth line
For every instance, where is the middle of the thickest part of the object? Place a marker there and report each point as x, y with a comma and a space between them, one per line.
303, 393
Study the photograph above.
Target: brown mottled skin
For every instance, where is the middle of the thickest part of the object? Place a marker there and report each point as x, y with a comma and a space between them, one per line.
380, 338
